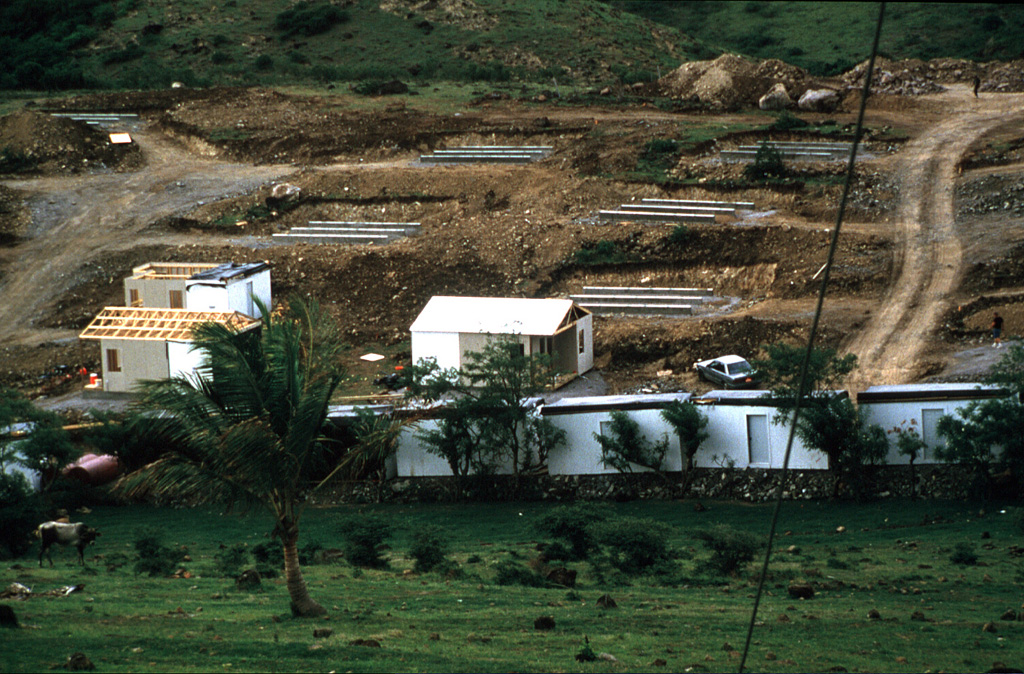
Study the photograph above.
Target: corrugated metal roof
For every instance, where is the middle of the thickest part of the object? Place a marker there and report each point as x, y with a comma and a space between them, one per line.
159, 324
495, 315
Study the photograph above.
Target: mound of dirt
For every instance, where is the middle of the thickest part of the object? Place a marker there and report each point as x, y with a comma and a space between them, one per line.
731, 82
14, 217
32, 142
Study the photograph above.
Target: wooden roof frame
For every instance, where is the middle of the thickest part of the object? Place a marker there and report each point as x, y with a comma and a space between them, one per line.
141, 323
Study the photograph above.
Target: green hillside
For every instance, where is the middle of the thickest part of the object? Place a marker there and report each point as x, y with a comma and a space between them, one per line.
830, 37
80, 44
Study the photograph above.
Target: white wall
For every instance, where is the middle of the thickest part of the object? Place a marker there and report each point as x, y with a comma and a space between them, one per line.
181, 359
441, 346
920, 415
585, 360
581, 453
232, 296
727, 431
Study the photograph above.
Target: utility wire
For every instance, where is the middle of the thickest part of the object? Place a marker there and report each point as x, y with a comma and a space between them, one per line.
805, 365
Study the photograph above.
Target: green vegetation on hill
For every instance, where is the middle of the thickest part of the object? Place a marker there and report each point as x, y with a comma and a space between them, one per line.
76, 44
830, 37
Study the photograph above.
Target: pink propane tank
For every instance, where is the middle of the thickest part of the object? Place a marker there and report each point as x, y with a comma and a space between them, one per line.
94, 469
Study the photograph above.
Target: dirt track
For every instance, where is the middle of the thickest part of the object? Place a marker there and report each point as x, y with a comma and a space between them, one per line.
929, 260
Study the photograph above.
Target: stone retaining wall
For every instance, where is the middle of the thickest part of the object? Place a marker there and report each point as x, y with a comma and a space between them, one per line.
753, 485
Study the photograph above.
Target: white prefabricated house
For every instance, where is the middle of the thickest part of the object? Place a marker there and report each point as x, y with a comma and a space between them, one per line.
199, 286
743, 433
138, 343
919, 407
582, 417
448, 328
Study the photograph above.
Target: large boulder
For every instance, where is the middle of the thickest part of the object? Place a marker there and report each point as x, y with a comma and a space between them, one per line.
819, 100
776, 99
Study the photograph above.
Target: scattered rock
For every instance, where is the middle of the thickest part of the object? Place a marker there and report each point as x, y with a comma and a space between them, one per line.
873, 614
7, 616
79, 662
776, 98
801, 590
322, 632
607, 657
1010, 614
562, 576
989, 627
248, 580
544, 623
819, 100
919, 616
366, 643
605, 601
659, 662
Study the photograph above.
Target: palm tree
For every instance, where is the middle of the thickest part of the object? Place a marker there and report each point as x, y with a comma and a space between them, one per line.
247, 429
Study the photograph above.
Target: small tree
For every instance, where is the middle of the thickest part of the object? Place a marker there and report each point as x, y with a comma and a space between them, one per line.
43, 447
691, 427
985, 435
625, 446
911, 445
486, 417
829, 422
249, 430
767, 163
376, 441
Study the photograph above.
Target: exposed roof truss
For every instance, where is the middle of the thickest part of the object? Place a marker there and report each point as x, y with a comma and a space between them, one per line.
159, 324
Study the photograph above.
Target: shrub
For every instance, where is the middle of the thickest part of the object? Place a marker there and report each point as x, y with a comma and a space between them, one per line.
264, 62
364, 539
572, 524
231, 559
626, 445
269, 558
680, 235
964, 555
308, 552
13, 161
787, 121
767, 164
730, 548
603, 252
510, 573
633, 545
429, 547
20, 512
155, 558
309, 18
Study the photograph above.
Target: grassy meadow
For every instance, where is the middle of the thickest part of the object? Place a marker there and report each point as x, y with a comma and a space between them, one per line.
895, 558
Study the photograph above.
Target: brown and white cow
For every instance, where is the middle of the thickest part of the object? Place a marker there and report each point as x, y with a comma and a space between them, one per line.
65, 533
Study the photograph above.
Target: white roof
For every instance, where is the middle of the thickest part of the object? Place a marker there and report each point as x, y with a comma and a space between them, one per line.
496, 315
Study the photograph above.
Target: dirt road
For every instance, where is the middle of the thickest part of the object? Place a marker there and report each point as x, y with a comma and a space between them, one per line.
928, 262
74, 219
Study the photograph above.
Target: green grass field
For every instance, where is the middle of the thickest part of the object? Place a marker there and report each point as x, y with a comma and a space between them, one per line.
893, 557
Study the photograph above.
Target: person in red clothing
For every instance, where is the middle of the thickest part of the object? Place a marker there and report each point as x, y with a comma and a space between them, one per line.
997, 330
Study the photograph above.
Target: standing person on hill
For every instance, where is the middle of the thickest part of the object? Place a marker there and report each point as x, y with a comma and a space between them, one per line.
997, 330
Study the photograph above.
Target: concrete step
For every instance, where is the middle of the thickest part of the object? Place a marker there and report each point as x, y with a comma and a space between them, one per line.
734, 205
640, 290
656, 300
392, 234
641, 216
663, 208
333, 238
634, 309
749, 155
407, 227
478, 158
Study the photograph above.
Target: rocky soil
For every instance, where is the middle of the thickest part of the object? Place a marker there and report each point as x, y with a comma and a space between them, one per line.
198, 187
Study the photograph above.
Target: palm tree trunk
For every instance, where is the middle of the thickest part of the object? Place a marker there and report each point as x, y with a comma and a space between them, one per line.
303, 606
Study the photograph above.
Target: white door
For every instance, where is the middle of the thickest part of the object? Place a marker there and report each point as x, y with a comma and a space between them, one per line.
930, 432
758, 449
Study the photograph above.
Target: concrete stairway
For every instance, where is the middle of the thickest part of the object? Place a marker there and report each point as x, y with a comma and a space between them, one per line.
794, 151
342, 232
493, 154
644, 301
674, 211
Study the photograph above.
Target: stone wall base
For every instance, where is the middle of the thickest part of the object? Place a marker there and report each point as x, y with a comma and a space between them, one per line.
751, 484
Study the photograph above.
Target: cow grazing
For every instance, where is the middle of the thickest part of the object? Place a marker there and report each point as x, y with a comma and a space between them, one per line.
65, 533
